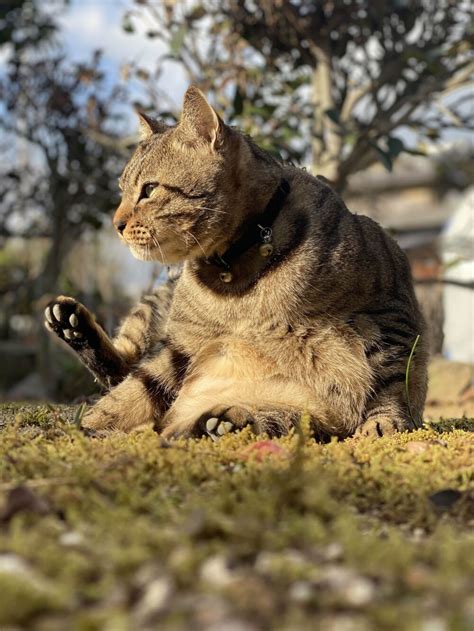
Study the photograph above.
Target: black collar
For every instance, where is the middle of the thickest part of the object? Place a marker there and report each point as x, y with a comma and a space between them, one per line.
254, 229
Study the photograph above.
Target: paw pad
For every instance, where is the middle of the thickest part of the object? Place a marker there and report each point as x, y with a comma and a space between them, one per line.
65, 318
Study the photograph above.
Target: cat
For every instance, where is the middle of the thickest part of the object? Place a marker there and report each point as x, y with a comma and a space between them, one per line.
287, 302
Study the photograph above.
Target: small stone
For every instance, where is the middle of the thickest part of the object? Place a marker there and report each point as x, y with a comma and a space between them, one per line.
301, 592
154, 600
359, 592
73, 321
419, 534
353, 589
57, 312
333, 552
215, 571
71, 539
211, 423
434, 624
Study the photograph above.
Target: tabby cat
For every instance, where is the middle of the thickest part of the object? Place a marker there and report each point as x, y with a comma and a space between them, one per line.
287, 303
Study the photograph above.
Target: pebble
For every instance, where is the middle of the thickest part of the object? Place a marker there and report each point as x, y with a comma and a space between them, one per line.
155, 598
353, 589
301, 592
215, 571
71, 539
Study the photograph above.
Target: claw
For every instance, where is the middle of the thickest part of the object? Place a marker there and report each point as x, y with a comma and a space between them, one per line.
73, 321
68, 334
48, 326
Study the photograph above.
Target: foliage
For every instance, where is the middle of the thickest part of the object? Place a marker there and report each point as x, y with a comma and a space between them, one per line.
58, 180
129, 532
339, 78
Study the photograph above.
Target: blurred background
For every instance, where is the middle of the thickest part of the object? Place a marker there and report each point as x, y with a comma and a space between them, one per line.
375, 95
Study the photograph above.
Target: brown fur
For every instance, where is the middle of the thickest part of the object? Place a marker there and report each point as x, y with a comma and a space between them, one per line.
324, 325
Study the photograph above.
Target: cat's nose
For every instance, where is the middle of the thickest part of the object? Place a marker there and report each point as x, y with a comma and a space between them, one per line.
120, 225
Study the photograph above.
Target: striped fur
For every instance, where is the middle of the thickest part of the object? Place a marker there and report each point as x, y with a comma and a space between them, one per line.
325, 325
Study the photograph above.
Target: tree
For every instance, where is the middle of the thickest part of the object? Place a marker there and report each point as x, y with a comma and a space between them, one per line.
339, 80
58, 181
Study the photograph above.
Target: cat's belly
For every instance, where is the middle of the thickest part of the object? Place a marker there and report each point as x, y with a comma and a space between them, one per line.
231, 372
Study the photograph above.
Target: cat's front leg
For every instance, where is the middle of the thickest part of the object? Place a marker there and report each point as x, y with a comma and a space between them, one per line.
75, 324
140, 399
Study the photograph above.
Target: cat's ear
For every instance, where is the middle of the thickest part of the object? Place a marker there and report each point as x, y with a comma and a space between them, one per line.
200, 119
150, 126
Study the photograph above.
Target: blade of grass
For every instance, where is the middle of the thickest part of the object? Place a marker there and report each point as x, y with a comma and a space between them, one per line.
407, 377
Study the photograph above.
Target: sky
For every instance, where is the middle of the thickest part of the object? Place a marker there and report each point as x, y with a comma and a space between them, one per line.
90, 24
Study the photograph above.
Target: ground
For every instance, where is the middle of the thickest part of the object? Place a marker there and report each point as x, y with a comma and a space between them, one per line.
133, 533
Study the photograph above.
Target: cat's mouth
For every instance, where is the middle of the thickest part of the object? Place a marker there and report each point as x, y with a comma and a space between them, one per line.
162, 251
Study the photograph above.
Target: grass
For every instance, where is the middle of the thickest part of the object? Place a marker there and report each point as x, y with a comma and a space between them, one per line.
129, 532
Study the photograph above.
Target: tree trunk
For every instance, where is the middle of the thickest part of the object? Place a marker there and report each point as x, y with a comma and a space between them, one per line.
48, 284
326, 142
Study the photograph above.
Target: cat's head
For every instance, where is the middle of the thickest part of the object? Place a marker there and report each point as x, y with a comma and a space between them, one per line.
187, 188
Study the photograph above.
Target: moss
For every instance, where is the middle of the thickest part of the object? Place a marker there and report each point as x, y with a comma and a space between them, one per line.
311, 534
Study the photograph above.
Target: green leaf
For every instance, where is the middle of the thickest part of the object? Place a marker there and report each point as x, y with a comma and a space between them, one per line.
395, 146
178, 39
127, 24
238, 102
333, 115
383, 156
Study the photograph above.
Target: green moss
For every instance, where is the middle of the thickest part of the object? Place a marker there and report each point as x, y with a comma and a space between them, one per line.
312, 536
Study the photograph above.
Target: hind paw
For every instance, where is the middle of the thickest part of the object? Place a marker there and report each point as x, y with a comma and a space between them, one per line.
223, 420
214, 423
381, 426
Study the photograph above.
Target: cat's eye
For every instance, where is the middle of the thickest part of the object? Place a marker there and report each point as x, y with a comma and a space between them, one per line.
148, 189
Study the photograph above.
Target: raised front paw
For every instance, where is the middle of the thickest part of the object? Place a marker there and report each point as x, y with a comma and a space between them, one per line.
71, 321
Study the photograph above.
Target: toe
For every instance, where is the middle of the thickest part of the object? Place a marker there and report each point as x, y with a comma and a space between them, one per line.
211, 424
228, 427
221, 430
57, 312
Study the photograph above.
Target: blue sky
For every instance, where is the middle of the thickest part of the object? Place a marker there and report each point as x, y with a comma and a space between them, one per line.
90, 24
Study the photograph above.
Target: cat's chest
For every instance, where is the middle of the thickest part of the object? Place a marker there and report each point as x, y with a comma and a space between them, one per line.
199, 317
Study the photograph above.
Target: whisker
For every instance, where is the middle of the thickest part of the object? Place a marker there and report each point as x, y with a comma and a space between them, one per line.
197, 241
157, 243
